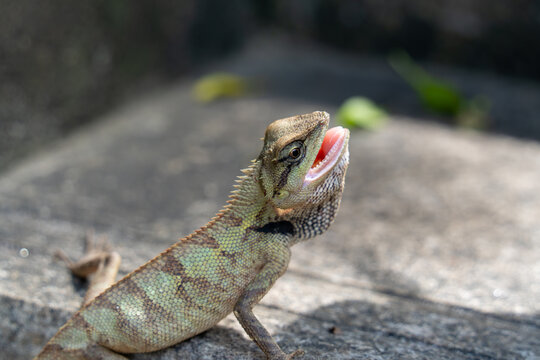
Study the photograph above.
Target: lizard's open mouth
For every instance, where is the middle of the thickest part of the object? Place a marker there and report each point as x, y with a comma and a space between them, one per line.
329, 153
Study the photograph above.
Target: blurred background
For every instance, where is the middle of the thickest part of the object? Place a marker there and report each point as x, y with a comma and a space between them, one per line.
473, 63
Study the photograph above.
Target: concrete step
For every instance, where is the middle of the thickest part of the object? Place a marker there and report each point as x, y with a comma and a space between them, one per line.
435, 252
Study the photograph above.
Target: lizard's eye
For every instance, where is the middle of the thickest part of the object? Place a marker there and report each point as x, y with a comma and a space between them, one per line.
293, 152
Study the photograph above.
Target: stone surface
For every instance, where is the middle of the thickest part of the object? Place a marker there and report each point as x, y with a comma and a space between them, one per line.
435, 253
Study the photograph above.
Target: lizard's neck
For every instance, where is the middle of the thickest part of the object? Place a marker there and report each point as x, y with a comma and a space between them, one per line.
249, 203
246, 211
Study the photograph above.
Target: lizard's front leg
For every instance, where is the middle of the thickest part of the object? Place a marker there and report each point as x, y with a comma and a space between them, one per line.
259, 286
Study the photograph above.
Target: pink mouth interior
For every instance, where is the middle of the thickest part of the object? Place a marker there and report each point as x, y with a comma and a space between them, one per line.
330, 138
328, 153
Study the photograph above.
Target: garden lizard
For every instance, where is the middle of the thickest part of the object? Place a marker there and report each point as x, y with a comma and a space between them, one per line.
289, 193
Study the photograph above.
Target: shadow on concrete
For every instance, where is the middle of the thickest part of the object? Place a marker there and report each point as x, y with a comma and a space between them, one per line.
413, 328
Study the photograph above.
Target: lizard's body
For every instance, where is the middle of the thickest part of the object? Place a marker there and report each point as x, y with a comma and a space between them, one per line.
227, 265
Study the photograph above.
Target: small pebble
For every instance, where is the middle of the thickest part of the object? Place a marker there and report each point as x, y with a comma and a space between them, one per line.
23, 252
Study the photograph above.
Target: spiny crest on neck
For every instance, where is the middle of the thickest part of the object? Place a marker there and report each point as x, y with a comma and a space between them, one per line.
246, 186
245, 191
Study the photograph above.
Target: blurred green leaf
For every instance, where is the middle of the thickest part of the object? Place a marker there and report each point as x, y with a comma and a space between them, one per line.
360, 112
436, 95
440, 96
218, 85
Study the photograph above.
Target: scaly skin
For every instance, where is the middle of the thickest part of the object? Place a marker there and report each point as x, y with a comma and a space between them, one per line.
226, 266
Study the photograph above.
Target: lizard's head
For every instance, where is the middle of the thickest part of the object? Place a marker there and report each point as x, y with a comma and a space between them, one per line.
303, 170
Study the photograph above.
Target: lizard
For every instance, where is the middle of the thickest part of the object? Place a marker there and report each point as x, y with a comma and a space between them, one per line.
290, 193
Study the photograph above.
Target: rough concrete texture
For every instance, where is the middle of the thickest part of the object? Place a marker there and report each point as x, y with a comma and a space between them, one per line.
435, 253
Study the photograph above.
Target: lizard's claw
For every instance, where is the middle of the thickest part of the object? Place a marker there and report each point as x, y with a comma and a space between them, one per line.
95, 255
296, 354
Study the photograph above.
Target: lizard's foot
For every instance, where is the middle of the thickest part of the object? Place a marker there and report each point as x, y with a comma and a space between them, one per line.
296, 354
95, 255
98, 263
